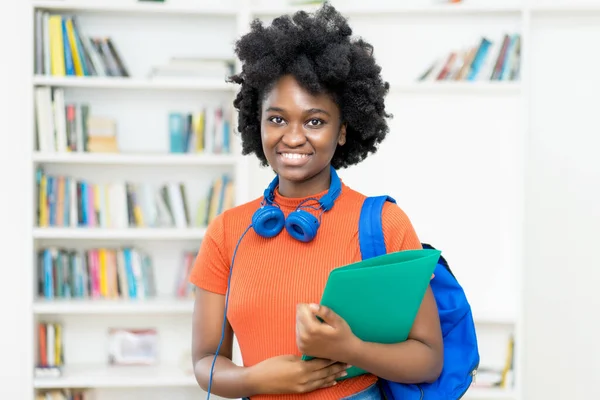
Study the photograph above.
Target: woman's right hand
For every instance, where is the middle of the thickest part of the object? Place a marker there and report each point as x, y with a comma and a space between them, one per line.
290, 374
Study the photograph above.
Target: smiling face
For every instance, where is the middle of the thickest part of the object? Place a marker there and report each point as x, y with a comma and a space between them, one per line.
300, 132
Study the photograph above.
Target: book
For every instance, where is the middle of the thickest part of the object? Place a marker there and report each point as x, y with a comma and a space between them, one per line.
379, 297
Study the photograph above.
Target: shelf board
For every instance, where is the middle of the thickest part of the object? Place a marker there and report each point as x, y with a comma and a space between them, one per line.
135, 159
399, 9
200, 9
564, 8
490, 394
113, 306
101, 82
119, 234
454, 87
106, 376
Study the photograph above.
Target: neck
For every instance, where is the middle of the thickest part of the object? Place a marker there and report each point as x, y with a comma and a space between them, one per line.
317, 184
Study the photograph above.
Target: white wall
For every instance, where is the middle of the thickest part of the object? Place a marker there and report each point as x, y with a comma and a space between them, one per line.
562, 225
15, 255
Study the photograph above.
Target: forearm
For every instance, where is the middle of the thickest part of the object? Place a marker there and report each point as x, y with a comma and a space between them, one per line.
408, 362
229, 380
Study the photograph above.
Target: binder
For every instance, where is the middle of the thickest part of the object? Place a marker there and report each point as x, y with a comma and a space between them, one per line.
380, 297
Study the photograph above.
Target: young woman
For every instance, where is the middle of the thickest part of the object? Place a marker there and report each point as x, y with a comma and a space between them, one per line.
311, 102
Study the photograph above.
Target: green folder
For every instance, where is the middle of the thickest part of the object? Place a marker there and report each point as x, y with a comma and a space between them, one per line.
379, 297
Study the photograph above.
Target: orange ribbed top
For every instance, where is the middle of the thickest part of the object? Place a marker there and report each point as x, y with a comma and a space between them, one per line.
271, 276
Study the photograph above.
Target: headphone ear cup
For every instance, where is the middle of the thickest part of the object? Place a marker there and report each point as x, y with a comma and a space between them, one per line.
268, 221
302, 225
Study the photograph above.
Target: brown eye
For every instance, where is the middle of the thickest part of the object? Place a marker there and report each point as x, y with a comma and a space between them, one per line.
315, 122
277, 120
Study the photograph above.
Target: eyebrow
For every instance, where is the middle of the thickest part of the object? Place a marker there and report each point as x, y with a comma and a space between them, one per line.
309, 111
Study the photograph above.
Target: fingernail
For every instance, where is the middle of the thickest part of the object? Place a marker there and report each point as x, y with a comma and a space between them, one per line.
348, 366
344, 373
314, 307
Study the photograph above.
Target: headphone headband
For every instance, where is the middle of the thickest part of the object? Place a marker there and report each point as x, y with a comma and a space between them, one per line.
326, 202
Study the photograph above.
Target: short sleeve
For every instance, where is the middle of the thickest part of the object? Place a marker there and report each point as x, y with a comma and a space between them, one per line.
211, 268
398, 231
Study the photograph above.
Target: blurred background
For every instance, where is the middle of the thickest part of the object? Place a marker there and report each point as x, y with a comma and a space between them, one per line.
119, 148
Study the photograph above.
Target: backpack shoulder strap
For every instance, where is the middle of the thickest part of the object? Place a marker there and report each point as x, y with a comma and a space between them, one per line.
370, 229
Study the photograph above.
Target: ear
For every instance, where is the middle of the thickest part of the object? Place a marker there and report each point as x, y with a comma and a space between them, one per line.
342, 135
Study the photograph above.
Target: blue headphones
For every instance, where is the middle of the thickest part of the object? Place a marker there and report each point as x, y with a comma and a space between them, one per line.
269, 220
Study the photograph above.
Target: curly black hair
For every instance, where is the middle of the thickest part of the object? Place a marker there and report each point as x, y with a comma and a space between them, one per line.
317, 49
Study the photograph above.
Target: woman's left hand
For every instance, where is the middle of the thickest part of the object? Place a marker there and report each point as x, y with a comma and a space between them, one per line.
332, 339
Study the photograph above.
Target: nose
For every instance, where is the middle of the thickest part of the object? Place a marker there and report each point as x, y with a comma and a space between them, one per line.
294, 136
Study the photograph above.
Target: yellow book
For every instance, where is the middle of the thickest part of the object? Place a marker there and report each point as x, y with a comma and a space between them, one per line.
138, 216
508, 362
73, 46
57, 48
43, 222
97, 203
58, 345
199, 131
103, 273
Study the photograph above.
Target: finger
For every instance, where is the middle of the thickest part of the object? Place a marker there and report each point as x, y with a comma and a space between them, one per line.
325, 313
305, 317
327, 377
333, 369
319, 363
306, 324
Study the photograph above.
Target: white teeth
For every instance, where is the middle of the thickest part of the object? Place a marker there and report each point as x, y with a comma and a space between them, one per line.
294, 155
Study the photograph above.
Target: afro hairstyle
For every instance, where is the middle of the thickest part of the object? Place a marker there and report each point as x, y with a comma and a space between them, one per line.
317, 49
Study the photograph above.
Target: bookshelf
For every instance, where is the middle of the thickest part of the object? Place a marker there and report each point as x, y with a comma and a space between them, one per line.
141, 105
126, 377
203, 9
135, 159
119, 234
145, 37
133, 83
154, 306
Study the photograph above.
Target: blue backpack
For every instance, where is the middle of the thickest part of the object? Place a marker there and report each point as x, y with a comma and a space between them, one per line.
461, 353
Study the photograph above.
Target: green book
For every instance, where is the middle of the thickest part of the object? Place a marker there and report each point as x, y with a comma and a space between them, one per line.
379, 297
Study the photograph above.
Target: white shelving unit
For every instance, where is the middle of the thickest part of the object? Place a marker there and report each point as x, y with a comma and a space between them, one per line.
140, 106
202, 85
82, 376
135, 159
470, 20
154, 306
119, 234
114, 7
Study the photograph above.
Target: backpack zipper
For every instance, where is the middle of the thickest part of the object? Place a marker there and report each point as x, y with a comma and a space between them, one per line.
474, 374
